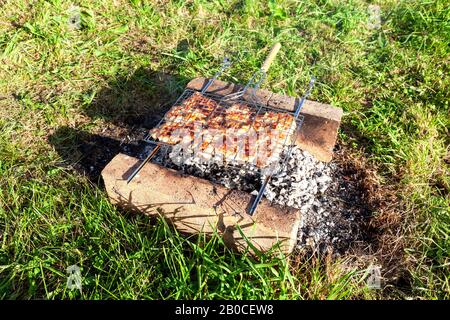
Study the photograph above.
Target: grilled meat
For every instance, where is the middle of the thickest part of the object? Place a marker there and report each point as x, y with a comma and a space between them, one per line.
235, 132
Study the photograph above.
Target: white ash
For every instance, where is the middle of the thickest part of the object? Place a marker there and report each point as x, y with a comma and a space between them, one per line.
295, 184
301, 179
317, 189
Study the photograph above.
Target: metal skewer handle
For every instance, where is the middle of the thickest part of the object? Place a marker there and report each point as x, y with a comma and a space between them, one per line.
258, 77
149, 157
272, 54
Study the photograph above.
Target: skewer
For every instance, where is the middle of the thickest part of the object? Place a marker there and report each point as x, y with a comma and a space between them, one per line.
149, 157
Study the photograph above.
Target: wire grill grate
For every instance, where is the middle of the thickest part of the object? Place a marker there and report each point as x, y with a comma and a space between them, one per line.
226, 131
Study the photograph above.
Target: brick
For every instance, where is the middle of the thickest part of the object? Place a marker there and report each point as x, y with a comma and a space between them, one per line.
195, 205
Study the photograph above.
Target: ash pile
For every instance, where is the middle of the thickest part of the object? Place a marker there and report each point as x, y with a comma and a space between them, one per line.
330, 214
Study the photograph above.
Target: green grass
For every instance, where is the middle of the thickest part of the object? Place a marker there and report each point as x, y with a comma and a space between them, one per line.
392, 83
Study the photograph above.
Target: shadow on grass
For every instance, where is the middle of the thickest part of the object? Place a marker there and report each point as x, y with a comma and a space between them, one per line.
90, 153
128, 106
138, 100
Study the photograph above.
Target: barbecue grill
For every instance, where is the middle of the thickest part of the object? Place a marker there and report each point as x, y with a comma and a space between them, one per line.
197, 115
